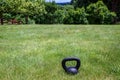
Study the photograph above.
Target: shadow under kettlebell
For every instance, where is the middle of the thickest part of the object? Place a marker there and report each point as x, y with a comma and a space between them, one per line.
69, 69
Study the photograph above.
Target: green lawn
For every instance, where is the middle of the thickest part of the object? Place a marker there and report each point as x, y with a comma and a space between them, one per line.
35, 52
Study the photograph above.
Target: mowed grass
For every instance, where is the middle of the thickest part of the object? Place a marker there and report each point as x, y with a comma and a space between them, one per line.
35, 52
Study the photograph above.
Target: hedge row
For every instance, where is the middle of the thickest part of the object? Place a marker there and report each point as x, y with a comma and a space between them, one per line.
96, 13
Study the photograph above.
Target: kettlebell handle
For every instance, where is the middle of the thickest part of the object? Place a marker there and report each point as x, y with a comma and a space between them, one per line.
70, 59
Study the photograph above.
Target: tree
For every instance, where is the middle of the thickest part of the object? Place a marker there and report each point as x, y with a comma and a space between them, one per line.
8, 6
50, 7
4, 7
26, 7
81, 3
113, 5
100, 14
31, 8
78, 16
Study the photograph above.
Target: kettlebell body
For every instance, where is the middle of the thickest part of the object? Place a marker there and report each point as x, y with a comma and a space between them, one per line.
71, 70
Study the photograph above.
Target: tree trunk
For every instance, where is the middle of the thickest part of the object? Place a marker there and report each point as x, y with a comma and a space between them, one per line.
1, 18
26, 19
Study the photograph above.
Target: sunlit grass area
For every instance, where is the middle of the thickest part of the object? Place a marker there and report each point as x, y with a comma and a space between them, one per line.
35, 52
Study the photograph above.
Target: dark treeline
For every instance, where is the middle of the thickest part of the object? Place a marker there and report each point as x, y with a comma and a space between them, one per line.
76, 12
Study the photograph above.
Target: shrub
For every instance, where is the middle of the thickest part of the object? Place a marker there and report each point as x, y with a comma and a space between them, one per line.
99, 14
68, 7
7, 16
39, 19
46, 18
21, 18
69, 17
31, 21
50, 7
78, 16
50, 18
18, 17
59, 16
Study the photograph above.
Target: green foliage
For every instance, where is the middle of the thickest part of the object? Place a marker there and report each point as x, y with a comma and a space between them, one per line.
25, 7
9, 5
32, 7
82, 3
7, 16
42, 12
99, 14
68, 7
78, 16
39, 19
59, 16
54, 14
68, 12
69, 17
50, 7
49, 18
31, 21
21, 18
18, 17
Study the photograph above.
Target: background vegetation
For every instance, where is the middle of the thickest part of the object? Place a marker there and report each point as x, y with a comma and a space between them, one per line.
41, 12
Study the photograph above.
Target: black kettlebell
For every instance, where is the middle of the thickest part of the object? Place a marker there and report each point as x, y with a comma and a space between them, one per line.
73, 69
